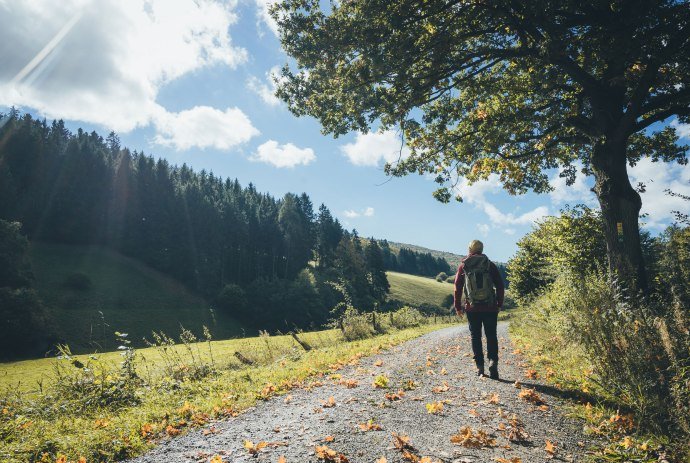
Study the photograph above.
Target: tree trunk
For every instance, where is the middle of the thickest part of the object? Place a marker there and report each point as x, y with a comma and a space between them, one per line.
620, 209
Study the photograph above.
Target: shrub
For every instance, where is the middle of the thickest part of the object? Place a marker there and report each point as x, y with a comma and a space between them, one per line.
406, 317
443, 276
95, 385
356, 325
450, 279
77, 281
232, 299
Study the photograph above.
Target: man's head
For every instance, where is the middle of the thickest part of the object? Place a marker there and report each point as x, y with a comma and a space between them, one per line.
476, 247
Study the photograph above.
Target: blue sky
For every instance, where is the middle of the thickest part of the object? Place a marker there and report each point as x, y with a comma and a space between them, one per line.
190, 81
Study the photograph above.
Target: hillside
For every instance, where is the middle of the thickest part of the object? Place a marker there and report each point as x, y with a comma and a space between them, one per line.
453, 259
416, 290
122, 295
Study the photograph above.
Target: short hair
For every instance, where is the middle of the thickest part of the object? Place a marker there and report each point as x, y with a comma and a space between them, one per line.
476, 246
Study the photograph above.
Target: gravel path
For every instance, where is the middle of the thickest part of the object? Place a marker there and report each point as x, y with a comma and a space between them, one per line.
296, 426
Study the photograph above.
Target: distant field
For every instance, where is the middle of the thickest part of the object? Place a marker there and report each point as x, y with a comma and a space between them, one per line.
131, 297
416, 290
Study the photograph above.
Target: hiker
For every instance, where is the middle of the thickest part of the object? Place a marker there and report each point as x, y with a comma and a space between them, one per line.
479, 285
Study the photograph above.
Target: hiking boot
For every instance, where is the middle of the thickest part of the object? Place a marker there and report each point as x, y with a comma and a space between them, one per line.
480, 370
493, 369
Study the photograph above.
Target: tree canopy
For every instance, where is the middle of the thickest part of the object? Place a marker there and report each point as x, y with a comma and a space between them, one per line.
512, 88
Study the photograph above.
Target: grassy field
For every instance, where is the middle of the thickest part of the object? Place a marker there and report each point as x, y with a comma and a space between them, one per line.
416, 290
124, 295
176, 389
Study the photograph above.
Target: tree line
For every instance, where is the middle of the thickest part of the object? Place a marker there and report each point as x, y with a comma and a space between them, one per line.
271, 262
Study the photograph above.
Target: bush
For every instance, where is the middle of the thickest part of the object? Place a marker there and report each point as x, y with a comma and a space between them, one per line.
356, 325
443, 276
77, 281
407, 317
23, 331
232, 299
450, 279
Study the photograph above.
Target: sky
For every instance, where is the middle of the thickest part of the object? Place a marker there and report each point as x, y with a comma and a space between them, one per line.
190, 81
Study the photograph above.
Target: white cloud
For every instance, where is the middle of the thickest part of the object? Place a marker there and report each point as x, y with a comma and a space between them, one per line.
204, 127
475, 195
266, 89
484, 229
683, 130
287, 155
578, 193
657, 177
371, 148
263, 15
352, 214
109, 66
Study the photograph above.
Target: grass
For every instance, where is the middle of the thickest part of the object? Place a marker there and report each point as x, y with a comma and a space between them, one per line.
32, 427
416, 290
563, 364
124, 295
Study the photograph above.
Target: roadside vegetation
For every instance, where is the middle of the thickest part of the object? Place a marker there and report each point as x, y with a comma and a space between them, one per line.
116, 405
624, 357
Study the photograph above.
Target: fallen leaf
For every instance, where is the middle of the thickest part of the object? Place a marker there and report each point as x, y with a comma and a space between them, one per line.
378, 363
469, 438
216, 459
439, 389
281, 459
402, 442
531, 374
550, 449
509, 460
493, 399
381, 460
328, 403
252, 448
369, 426
329, 439
381, 382
530, 395
434, 408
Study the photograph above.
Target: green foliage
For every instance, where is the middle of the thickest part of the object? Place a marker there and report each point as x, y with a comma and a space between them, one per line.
406, 317
571, 243
77, 281
23, 330
356, 325
441, 277
15, 271
521, 82
232, 299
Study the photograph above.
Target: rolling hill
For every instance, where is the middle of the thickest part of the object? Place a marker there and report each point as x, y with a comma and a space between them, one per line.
89, 292
417, 290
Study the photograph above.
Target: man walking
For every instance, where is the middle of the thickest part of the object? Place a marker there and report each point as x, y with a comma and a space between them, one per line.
480, 285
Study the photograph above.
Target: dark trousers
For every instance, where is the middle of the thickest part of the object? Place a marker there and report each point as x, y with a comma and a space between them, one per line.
489, 320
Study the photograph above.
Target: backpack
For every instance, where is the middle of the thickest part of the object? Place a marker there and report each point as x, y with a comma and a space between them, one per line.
479, 287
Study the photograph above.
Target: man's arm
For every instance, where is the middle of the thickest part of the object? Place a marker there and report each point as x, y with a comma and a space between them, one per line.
498, 284
457, 293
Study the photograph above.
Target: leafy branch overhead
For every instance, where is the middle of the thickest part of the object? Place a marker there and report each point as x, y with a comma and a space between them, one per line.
507, 88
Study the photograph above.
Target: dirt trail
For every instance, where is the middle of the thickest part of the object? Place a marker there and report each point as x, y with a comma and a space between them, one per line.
295, 427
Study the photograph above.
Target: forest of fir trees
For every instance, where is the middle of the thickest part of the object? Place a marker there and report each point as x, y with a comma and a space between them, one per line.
270, 262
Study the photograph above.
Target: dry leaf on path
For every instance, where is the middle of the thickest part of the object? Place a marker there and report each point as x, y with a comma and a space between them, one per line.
252, 448
469, 438
550, 449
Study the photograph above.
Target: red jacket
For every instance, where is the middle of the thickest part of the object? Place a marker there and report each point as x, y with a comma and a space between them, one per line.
460, 283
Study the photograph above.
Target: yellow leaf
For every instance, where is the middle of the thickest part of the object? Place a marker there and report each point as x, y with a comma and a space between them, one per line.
281, 459
216, 459
434, 408
550, 448
381, 460
381, 382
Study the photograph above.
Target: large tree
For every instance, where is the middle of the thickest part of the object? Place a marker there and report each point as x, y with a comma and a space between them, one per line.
500, 86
